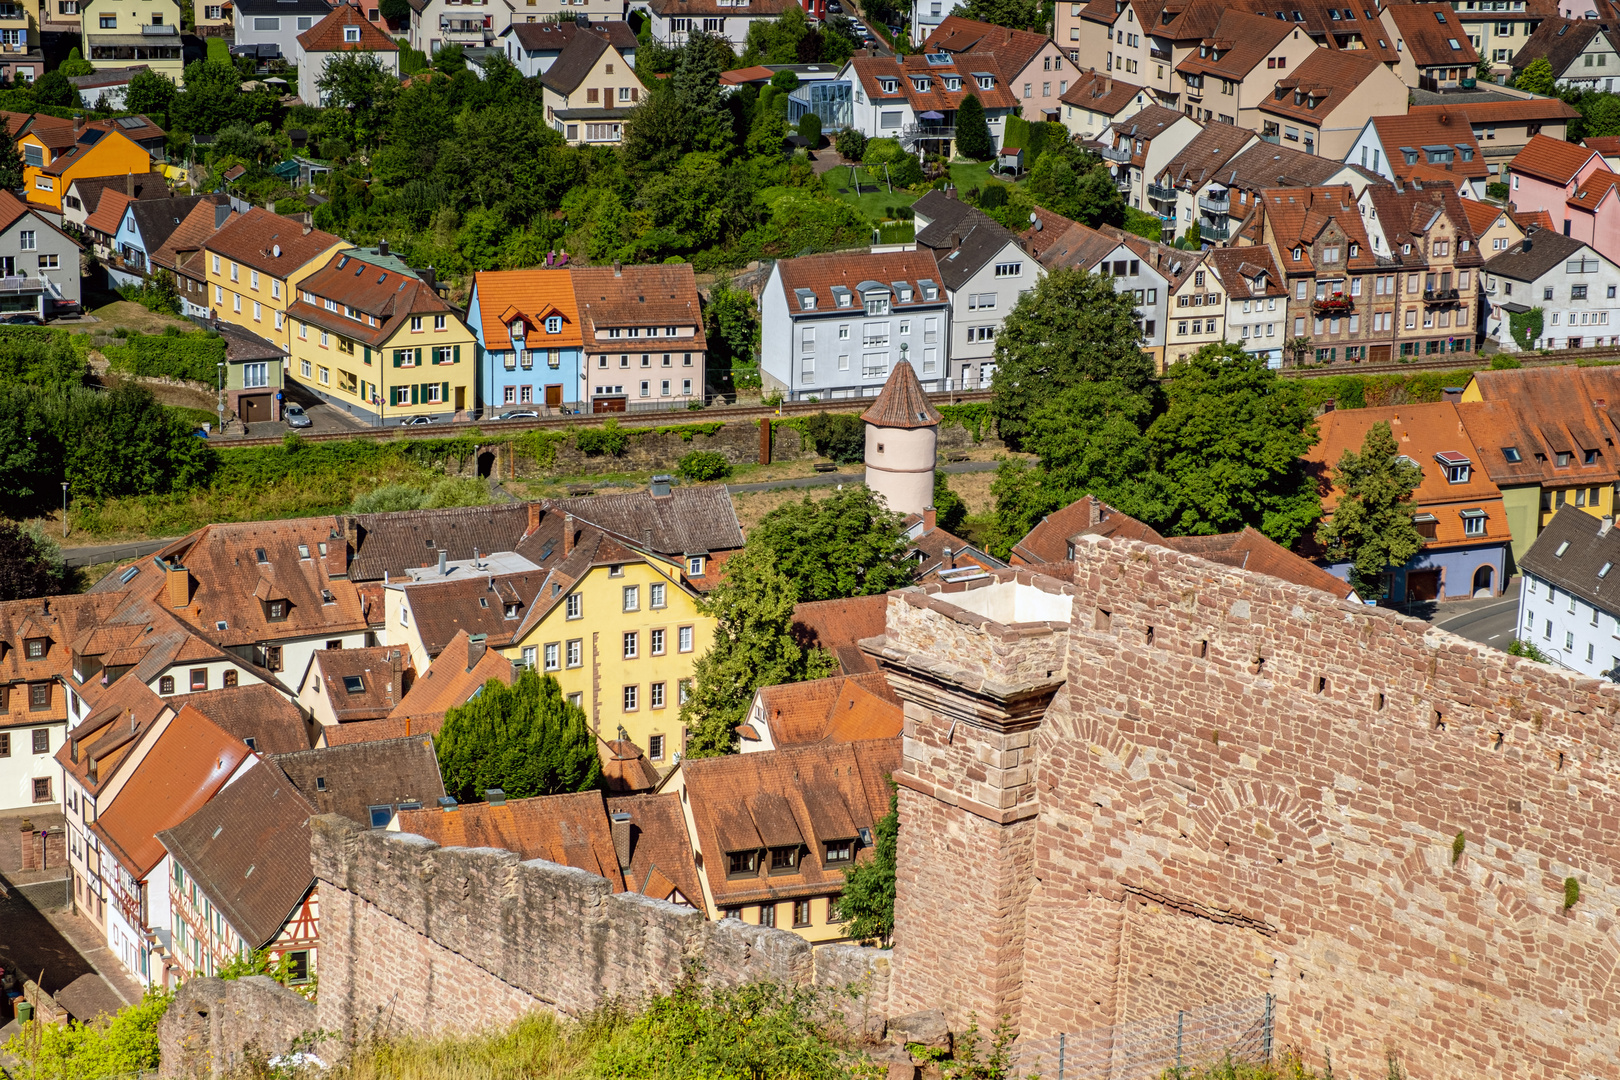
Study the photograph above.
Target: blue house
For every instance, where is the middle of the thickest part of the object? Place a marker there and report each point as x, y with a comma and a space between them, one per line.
529, 342
147, 224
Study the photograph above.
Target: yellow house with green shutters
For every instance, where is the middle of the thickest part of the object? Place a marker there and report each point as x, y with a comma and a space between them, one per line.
620, 630
368, 334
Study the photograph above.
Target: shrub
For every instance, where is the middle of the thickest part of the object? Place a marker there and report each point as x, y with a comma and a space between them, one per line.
1504, 362
851, 144
1572, 893
704, 465
840, 436
178, 356
1528, 650
125, 1044
810, 129
1496, 190
608, 439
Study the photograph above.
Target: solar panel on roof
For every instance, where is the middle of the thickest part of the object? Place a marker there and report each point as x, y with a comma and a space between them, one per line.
131, 122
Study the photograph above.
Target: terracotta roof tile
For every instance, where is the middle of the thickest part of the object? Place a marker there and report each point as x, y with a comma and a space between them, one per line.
505, 296
260, 712
625, 769
55, 622
1268, 165
190, 761
1100, 92
360, 684
1259, 554
328, 36
820, 275
109, 213
1542, 413
248, 850
90, 189
844, 708
1603, 144
874, 71
191, 234
902, 404
692, 519
1300, 216
1506, 112
392, 543
661, 295
1481, 215
276, 245
1433, 35
1201, 160
1048, 541
103, 739
393, 727
1235, 46
1415, 131
808, 796
839, 625
661, 864
449, 681
570, 830
1553, 160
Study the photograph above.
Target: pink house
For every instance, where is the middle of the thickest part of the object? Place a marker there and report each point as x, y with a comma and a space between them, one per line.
1547, 173
1594, 213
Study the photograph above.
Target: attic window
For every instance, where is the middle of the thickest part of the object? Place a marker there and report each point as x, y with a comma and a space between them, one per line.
483, 601
1451, 41
1603, 571
128, 575
259, 555
1511, 455
554, 324
511, 611
303, 551
1440, 16
320, 783
1563, 547
327, 597
220, 625
354, 684
351, 34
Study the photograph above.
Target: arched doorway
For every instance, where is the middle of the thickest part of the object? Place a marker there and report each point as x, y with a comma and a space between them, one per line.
1483, 578
486, 464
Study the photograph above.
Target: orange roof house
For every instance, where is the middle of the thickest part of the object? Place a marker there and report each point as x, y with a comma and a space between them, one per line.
528, 323
844, 708
1457, 506
58, 152
345, 30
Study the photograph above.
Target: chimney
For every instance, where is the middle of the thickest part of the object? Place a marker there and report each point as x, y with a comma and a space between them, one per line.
382, 247
661, 485
928, 519
430, 277
179, 582
475, 649
447, 803
1096, 515
308, 229
1108, 85
621, 838
78, 123
129, 184
495, 796
947, 560
535, 510
618, 268
1329, 405
1608, 523
337, 555
396, 677
956, 240
568, 535
444, 563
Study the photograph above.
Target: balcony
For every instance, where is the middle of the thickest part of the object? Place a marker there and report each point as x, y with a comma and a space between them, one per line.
1114, 154
1213, 205
1337, 304
1159, 54
1160, 192
1124, 184
1440, 296
1215, 230
461, 26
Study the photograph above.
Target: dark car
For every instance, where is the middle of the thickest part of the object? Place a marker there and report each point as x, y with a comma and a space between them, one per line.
19, 318
521, 414
295, 416
415, 420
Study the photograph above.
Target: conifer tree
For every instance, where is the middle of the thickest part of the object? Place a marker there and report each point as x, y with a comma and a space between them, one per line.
525, 739
972, 133
11, 163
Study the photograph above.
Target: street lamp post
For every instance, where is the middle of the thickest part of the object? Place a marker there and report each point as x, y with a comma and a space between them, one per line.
64, 510
221, 366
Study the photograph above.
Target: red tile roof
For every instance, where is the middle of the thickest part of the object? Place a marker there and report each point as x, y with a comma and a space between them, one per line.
327, 35
844, 708
661, 864
1418, 130
661, 295
1507, 112
902, 404
570, 830
505, 296
449, 681
269, 242
189, 762
1553, 160
1543, 412
839, 625
1013, 49
1298, 217
1481, 215
1433, 35
1235, 46
1593, 190
1100, 92
819, 274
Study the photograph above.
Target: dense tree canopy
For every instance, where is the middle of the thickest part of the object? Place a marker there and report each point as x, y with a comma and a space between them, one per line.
525, 739
1218, 450
1072, 327
866, 906
1371, 527
844, 545
30, 563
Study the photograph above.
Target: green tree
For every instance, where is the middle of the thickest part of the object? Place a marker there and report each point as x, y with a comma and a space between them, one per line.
731, 322
126, 1044
1072, 327
1052, 184
1098, 199
30, 563
754, 646
53, 88
396, 12
866, 906
11, 162
810, 129
213, 97
525, 739
361, 90
1537, 77
150, 92
1229, 448
1371, 527
75, 64
837, 547
972, 132
949, 509
696, 82
1018, 14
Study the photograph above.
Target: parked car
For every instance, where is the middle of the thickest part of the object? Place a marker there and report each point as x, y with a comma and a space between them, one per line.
834, 7
295, 416
19, 318
521, 414
415, 420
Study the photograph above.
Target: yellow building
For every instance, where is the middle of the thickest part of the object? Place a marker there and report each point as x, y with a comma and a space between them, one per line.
372, 336
56, 152
121, 33
254, 264
621, 634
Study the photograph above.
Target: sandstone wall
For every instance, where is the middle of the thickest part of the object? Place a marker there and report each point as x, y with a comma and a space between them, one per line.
1246, 787
215, 1027
423, 938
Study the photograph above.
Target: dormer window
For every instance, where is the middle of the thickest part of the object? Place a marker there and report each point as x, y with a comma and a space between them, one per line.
842, 296
518, 330
259, 555
921, 85
953, 84
784, 860
889, 86
275, 610
877, 303
742, 863
807, 299
511, 611
1562, 459
1457, 466
554, 324
351, 35
35, 648
1411, 156
1298, 253
987, 82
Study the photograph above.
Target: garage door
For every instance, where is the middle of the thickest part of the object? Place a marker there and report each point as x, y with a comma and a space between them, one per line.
253, 409
1422, 585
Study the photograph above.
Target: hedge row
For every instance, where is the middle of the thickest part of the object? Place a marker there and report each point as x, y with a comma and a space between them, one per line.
194, 356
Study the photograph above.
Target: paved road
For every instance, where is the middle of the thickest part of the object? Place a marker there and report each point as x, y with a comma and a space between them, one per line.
821, 479
105, 553
32, 946
1490, 623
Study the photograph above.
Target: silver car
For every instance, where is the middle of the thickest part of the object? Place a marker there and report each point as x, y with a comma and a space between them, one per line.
295, 416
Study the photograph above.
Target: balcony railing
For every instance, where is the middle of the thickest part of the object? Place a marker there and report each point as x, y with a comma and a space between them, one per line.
1333, 305
461, 26
1159, 191
1158, 53
1115, 154
1124, 184
928, 131
1212, 205
1440, 296
1215, 230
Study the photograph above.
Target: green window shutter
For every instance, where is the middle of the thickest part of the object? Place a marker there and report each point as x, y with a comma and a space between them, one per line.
413, 393
399, 357
368, 354
457, 358
444, 394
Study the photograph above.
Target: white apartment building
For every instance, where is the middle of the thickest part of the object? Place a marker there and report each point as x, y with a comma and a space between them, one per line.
1256, 300
1575, 287
1569, 593
835, 325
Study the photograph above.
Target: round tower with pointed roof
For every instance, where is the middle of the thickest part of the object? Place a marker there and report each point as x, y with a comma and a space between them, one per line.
902, 440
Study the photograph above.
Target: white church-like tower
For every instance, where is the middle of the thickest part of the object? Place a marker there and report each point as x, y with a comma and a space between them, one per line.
902, 438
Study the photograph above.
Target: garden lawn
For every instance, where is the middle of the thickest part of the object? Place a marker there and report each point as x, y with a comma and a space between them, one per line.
875, 205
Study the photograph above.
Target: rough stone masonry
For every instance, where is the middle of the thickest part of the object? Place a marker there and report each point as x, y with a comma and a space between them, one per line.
1161, 783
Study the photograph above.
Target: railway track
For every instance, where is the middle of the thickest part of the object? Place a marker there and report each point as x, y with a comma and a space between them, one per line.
1563, 356
727, 413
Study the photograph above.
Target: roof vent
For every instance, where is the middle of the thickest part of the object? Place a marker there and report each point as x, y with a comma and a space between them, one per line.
495, 796
447, 803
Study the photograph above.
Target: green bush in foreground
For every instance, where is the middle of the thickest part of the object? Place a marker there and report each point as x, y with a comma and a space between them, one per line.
703, 465
124, 1045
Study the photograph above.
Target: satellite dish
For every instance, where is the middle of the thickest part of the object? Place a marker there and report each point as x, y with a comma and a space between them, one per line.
276, 251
